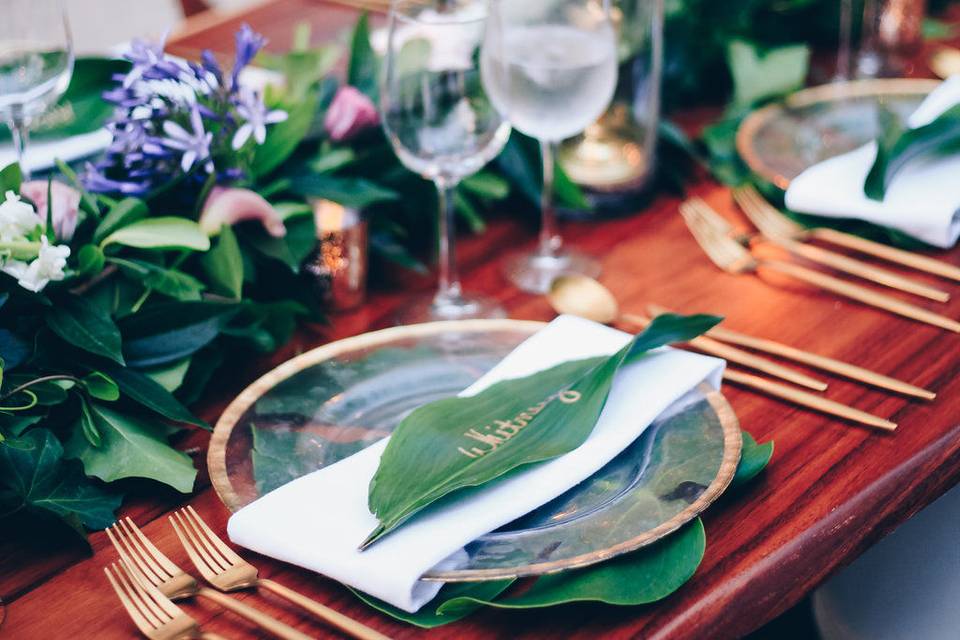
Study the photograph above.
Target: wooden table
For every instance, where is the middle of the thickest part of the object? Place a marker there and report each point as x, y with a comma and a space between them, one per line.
832, 489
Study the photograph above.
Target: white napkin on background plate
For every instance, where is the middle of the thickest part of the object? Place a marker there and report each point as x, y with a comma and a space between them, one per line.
318, 521
923, 200
42, 154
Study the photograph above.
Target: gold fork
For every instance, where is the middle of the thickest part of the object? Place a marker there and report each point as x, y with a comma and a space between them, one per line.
153, 613
706, 226
771, 229
225, 570
142, 557
783, 226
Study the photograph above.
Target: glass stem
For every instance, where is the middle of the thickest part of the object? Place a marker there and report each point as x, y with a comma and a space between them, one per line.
20, 133
449, 288
845, 47
550, 240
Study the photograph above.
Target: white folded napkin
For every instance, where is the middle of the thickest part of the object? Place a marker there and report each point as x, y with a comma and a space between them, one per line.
318, 521
42, 154
923, 200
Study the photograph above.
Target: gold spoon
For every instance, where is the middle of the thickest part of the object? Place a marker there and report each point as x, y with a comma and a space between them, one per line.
582, 296
587, 298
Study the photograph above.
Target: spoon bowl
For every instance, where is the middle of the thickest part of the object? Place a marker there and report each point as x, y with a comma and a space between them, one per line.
580, 295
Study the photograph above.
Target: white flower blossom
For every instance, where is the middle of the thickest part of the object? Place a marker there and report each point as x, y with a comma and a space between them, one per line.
17, 218
48, 266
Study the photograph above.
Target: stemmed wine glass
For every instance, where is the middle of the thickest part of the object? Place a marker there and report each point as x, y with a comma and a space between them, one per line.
441, 124
36, 62
550, 66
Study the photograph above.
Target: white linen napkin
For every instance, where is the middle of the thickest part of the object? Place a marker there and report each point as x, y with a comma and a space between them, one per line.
42, 154
923, 200
318, 521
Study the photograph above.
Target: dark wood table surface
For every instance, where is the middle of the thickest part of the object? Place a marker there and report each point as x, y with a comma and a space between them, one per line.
831, 491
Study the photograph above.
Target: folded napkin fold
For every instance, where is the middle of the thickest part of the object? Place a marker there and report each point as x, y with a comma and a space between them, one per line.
43, 154
318, 521
922, 201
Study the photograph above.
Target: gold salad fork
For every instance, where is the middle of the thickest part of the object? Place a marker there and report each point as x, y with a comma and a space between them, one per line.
225, 570
707, 227
779, 225
772, 230
153, 613
146, 562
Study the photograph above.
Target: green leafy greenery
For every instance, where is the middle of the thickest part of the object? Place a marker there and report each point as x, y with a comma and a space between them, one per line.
637, 578
898, 145
411, 477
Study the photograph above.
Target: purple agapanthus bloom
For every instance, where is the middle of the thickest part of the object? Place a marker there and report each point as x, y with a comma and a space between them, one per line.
250, 107
194, 144
249, 44
180, 121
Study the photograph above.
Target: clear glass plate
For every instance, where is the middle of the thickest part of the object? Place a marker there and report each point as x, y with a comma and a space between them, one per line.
333, 401
779, 141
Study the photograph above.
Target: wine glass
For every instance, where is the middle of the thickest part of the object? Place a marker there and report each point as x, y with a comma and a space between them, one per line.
550, 66
36, 62
441, 124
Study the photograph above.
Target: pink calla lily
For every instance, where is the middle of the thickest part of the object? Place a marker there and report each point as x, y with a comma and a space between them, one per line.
226, 205
350, 113
66, 204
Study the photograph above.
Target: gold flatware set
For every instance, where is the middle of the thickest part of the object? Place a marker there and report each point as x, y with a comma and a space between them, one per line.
147, 582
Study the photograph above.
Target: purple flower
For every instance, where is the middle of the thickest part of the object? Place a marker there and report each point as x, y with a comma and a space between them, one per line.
249, 44
250, 107
144, 57
195, 144
350, 113
210, 64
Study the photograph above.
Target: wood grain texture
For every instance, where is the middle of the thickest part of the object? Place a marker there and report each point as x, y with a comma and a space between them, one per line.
830, 492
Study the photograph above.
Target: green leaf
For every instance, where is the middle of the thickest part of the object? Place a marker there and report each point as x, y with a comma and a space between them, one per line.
363, 69
169, 282
144, 391
356, 193
122, 214
132, 447
487, 184
283, 138
563, 403
36, 477
758, 75
458, 600
293, 248
170, 376
84, 325
88, 427
11, 178
160, 233
88, 201
100, 386
90, 260
898, 145
753, 459
165, 333
640, 577
224, 265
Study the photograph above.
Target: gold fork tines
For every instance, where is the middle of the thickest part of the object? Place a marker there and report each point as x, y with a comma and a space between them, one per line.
151, 567
706, 226
224, 569
791, 229
779, 230
153, 613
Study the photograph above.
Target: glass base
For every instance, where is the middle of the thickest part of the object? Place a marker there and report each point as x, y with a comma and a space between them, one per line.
534, 272
459, 307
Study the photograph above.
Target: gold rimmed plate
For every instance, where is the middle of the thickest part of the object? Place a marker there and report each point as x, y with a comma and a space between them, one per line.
333, 401
779, 141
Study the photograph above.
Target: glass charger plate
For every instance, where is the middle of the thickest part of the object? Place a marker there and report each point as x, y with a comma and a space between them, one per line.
781, 140
333, 401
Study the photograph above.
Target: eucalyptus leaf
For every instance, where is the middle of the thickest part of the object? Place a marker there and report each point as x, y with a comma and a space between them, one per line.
132, 447
556, 411
35, 476
160, 233
84, 325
